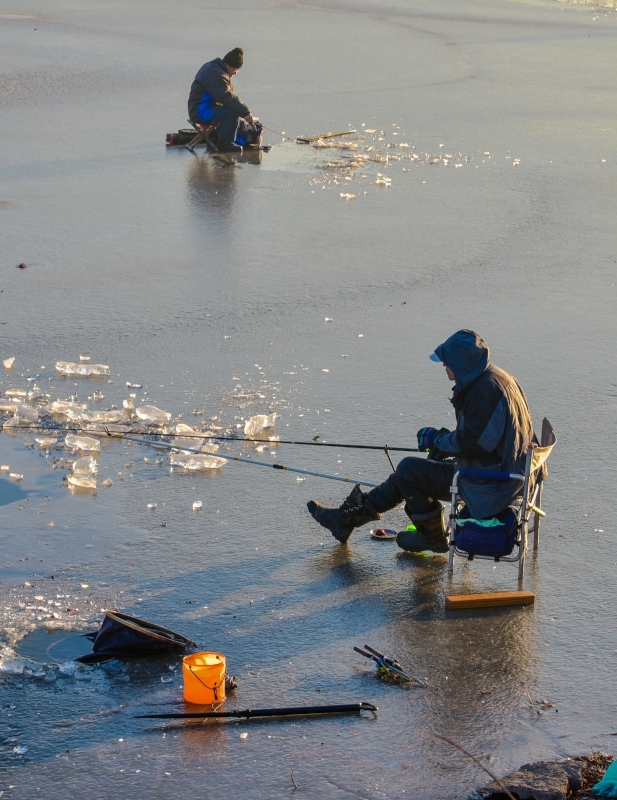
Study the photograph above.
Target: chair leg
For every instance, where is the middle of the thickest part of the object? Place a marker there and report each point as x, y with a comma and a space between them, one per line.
522, 552
209, 141
536, 520
194, 142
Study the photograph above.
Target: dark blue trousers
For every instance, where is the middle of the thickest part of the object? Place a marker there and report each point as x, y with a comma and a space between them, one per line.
227, 123
418, 482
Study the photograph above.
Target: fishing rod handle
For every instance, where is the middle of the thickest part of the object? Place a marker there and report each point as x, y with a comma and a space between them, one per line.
365, 654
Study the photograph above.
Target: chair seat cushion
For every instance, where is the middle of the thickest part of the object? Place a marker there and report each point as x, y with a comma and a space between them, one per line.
495, 536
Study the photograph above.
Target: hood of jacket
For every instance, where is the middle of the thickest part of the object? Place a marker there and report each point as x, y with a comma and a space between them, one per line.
466, 354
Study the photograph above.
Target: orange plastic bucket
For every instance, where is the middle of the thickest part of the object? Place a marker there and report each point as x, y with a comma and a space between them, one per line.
204, 678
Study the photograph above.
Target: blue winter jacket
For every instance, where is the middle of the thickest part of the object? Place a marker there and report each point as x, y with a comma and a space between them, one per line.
212, 86
493, 423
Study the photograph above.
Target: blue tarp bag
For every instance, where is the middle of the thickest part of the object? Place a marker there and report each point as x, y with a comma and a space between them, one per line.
486, 537
607, 787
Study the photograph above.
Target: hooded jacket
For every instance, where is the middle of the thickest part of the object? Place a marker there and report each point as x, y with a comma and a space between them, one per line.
212, 86
493, 423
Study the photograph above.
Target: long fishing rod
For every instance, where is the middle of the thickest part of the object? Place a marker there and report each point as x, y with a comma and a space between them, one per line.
292, 711
167, 446
210, 435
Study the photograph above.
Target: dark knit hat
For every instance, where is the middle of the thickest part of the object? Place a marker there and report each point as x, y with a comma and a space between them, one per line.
235, 57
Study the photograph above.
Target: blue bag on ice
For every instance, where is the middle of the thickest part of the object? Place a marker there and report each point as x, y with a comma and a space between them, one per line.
607, 787
486, 537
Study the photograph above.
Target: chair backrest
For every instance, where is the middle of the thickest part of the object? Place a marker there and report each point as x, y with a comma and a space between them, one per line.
547, 442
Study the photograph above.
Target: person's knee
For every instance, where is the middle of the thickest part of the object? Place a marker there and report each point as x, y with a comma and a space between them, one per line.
408, 467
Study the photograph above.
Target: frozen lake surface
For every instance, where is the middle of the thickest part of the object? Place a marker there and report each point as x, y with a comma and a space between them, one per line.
208, 284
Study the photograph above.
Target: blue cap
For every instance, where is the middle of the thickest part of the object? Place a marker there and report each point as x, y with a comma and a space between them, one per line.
434, 357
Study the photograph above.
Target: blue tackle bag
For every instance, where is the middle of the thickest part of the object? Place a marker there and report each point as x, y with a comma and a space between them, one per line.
607, 787
486, 537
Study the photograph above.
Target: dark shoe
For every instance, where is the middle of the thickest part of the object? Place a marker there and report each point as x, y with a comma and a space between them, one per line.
229, 147
430, 533
355, 511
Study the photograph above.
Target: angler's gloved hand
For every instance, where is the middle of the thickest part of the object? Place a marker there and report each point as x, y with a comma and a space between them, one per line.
426, 438
432, 435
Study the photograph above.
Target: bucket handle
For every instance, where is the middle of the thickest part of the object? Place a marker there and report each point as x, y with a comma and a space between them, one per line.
214, 688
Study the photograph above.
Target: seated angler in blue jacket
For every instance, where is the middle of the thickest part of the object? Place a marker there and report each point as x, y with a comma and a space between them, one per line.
212, 100
493, 431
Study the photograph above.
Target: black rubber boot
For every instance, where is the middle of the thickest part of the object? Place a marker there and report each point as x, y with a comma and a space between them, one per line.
355, 511
430, 533
229, 147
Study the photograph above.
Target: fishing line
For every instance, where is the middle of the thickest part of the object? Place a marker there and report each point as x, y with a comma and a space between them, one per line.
272, 130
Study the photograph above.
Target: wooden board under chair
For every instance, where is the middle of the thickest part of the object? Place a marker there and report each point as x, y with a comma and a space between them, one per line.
522, 598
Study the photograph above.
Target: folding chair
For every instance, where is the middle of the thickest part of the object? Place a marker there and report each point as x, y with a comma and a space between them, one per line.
497, 537
203, 136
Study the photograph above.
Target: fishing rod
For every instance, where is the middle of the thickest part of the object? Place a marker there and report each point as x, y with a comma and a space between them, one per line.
167, 446
308, 139
210, 435
388, 665
291, 711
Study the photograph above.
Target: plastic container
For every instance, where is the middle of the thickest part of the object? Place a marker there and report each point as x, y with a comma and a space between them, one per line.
204, 678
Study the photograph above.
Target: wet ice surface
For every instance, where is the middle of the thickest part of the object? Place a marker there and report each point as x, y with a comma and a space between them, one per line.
217, 292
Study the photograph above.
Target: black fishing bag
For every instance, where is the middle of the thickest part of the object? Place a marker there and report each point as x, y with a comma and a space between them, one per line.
123, 636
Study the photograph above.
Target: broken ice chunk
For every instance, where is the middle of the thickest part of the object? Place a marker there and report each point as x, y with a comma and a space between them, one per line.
12, 666
67, 668
85, 443
24, 417
153, 415
5, 468
195, 462
86, 482
16, 476
152, 506
15, 393
107, 482
85, 466
104, 429
134, 385
259, 425
84, 358
117, 416
8, 362
81, 370
66, 408
197, 505
46, 442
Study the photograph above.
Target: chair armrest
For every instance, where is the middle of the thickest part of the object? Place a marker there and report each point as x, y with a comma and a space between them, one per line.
488, 475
